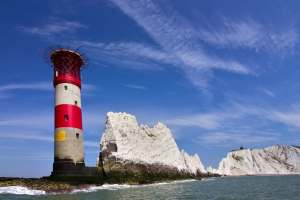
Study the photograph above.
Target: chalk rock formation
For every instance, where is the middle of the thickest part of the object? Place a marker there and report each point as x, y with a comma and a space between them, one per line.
193, 163
126, 147
279, 159
212, 170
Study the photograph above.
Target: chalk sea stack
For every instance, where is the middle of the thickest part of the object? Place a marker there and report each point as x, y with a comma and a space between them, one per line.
128, 148
278, 159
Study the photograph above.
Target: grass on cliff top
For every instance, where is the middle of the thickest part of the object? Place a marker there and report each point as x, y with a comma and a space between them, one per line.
298, 147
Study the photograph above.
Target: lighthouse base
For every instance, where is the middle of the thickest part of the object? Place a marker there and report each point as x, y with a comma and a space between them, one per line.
67, 169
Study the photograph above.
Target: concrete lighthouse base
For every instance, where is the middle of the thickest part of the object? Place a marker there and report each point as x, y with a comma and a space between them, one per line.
67, 168
78, 172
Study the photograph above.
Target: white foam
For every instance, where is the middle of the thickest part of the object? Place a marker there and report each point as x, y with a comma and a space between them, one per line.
121, 187
171, 182
184, 181
103, 187
25, 191
209, 179
20, 190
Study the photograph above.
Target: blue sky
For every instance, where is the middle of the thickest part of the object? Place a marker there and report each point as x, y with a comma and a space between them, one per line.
219, 74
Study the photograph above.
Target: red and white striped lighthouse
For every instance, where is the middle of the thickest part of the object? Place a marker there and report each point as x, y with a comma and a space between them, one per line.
67, 63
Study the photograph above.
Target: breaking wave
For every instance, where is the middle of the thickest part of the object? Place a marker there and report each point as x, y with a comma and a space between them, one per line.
121, 187
20, 190
103, 187
209, 179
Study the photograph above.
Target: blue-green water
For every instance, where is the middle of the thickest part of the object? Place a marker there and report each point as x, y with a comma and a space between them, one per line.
252, 187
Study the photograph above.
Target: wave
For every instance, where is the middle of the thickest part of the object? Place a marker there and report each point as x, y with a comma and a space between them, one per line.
103, 187
121, 187
170, 182
209, 179
25, 191
20, 190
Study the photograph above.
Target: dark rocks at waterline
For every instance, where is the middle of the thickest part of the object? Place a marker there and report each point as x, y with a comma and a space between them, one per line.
42, 184
129, 172
61, 185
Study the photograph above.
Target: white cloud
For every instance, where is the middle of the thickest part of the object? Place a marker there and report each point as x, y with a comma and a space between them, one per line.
53, 27
290, 118
89, 87
175, 35
136, 87
33, 122
228, 139
24, 157
179, 41
129, 55
236, 123
266, 92
130, 49
269, 93
5, 89
91, 143
246, 33
66, 6
28, 86
209, 121
27, 136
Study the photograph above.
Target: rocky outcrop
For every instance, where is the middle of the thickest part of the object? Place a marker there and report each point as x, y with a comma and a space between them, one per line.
279, 159
193, 163
212, 170
128, 148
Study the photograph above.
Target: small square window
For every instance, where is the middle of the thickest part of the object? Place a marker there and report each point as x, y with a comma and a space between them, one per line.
75, 103
66, 117
77, 135
66, 87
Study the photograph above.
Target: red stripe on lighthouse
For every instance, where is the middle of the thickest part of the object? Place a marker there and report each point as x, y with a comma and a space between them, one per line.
74, 118
66, 79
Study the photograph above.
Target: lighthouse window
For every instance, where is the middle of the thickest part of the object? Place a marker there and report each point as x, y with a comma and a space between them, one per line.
66, 87
75, 103
77, 135
66, 117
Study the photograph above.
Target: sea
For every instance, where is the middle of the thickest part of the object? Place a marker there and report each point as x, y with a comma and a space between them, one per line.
222, 188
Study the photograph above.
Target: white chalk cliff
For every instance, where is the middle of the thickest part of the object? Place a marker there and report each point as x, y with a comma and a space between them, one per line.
279, 159
192, 163
124, 141
212, 170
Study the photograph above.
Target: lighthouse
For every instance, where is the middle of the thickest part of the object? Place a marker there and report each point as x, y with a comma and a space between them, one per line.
67, 63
